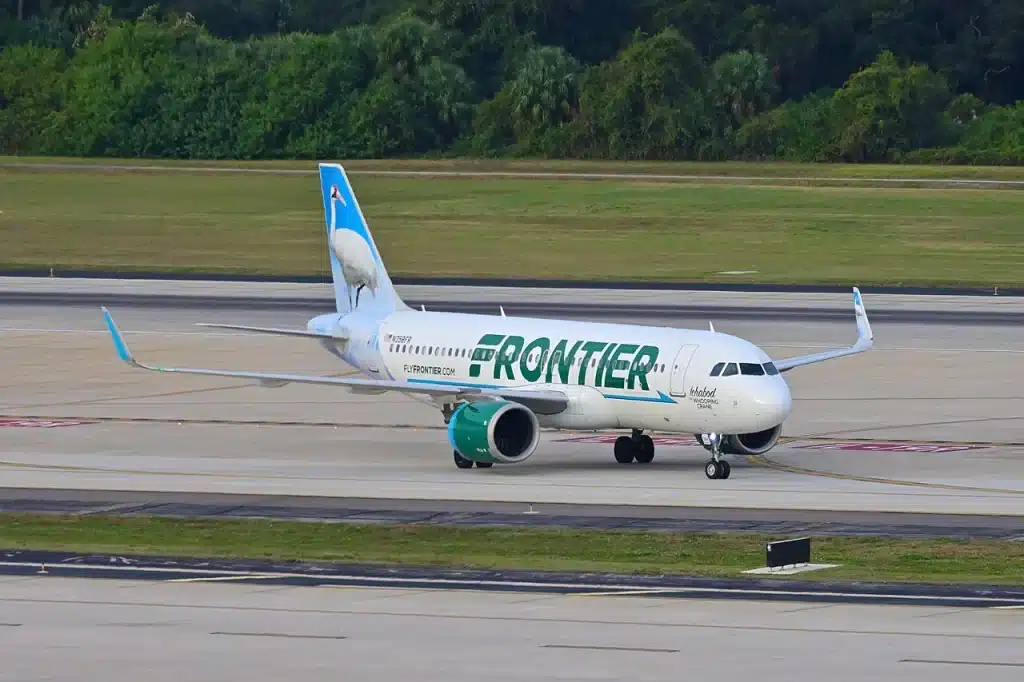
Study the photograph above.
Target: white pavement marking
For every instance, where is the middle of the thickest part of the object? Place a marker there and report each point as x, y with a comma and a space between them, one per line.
441, 583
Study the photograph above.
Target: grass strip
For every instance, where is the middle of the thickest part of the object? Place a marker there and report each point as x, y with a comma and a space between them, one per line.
723, 555
557, 229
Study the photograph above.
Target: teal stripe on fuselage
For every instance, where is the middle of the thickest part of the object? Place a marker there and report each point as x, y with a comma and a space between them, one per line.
436, 382
662, 398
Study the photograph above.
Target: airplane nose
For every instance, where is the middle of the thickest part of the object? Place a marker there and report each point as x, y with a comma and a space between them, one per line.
775, 403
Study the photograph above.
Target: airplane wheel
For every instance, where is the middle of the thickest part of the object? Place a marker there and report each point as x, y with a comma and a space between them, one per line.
625, 450
484, 465
726, 469
713, 469
645, 453
462, 462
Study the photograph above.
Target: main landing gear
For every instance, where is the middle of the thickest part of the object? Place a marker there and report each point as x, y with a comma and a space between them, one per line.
716, 467
636, 447
464, 463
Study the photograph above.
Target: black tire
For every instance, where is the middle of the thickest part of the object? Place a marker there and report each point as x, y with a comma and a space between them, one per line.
726, 469
645, 451
625, 450
713, 469
461, 461
484, 465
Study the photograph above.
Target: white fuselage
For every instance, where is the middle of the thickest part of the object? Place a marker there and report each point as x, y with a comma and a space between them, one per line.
617, 375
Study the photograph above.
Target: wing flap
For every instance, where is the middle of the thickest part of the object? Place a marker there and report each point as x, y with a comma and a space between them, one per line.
865, 341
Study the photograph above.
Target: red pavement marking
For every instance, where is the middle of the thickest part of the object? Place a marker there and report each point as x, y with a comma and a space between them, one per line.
892, 447
42, 423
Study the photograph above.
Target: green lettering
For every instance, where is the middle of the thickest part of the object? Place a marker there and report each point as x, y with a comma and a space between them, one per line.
642, 364
483, 352
589, 348
602, 364
610, 380
556, 356
507, 354
532, 374
564, 360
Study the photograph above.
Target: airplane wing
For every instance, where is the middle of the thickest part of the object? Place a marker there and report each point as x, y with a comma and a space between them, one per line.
865, 340
541, 401
273, 330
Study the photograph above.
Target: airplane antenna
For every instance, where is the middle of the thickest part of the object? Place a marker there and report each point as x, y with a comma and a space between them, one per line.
423, 307
711, 325
502, 309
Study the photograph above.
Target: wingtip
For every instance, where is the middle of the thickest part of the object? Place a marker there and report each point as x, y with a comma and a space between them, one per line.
119, 343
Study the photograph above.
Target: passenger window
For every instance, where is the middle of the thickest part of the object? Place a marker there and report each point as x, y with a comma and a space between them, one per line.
730, 370
717, 369
769, 367
751, 369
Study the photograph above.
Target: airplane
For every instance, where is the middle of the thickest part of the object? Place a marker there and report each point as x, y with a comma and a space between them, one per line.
498, 380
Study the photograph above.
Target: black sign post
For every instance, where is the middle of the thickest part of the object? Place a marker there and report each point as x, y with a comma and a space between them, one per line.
788, 552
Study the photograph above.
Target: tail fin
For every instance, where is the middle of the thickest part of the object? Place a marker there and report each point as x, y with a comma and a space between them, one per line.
360, 278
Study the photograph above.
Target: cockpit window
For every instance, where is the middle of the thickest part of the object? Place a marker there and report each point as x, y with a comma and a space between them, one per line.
730, 370
769, 367
751, 369
717, 369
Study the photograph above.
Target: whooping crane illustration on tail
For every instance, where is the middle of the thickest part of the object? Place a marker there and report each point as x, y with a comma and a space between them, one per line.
498, 379
351, 251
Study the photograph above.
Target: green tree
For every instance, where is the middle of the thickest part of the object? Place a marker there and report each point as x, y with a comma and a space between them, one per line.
741, 85
32, 91
887, 107
647, 103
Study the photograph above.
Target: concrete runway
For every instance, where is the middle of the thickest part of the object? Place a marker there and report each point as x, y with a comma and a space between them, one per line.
60, 628
922, 382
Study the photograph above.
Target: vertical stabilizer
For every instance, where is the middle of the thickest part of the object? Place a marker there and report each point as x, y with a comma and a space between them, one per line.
360, 279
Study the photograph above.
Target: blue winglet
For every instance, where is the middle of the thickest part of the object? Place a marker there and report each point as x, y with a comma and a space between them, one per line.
119, 345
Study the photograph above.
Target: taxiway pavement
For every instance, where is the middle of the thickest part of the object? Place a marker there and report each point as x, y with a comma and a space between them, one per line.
922, 382
56, 628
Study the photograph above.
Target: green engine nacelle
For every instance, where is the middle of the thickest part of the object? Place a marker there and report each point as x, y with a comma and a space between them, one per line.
495, 431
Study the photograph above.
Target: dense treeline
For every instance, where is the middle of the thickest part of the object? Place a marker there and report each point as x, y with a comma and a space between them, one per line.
862, 80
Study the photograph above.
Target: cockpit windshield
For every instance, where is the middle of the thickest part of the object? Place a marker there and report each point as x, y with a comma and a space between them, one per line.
751, 369
745, 368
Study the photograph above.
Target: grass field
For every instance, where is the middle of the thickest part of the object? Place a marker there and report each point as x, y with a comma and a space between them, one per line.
877, 559
515, 228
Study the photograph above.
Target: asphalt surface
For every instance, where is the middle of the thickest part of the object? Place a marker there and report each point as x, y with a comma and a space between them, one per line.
182, 448
781, 523
216, 630
611, 311
270, 573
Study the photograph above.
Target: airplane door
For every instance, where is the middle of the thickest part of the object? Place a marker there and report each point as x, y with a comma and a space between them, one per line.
679, 365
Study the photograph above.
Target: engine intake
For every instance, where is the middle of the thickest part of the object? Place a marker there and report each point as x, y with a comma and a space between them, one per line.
751, 443
496, 431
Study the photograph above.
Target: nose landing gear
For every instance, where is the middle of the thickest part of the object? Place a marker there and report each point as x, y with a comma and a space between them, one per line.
716, 467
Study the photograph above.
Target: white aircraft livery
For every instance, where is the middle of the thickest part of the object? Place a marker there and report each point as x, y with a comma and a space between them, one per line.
497, 380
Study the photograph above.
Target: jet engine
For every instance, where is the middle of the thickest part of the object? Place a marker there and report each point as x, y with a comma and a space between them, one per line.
751, 443
497, 431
